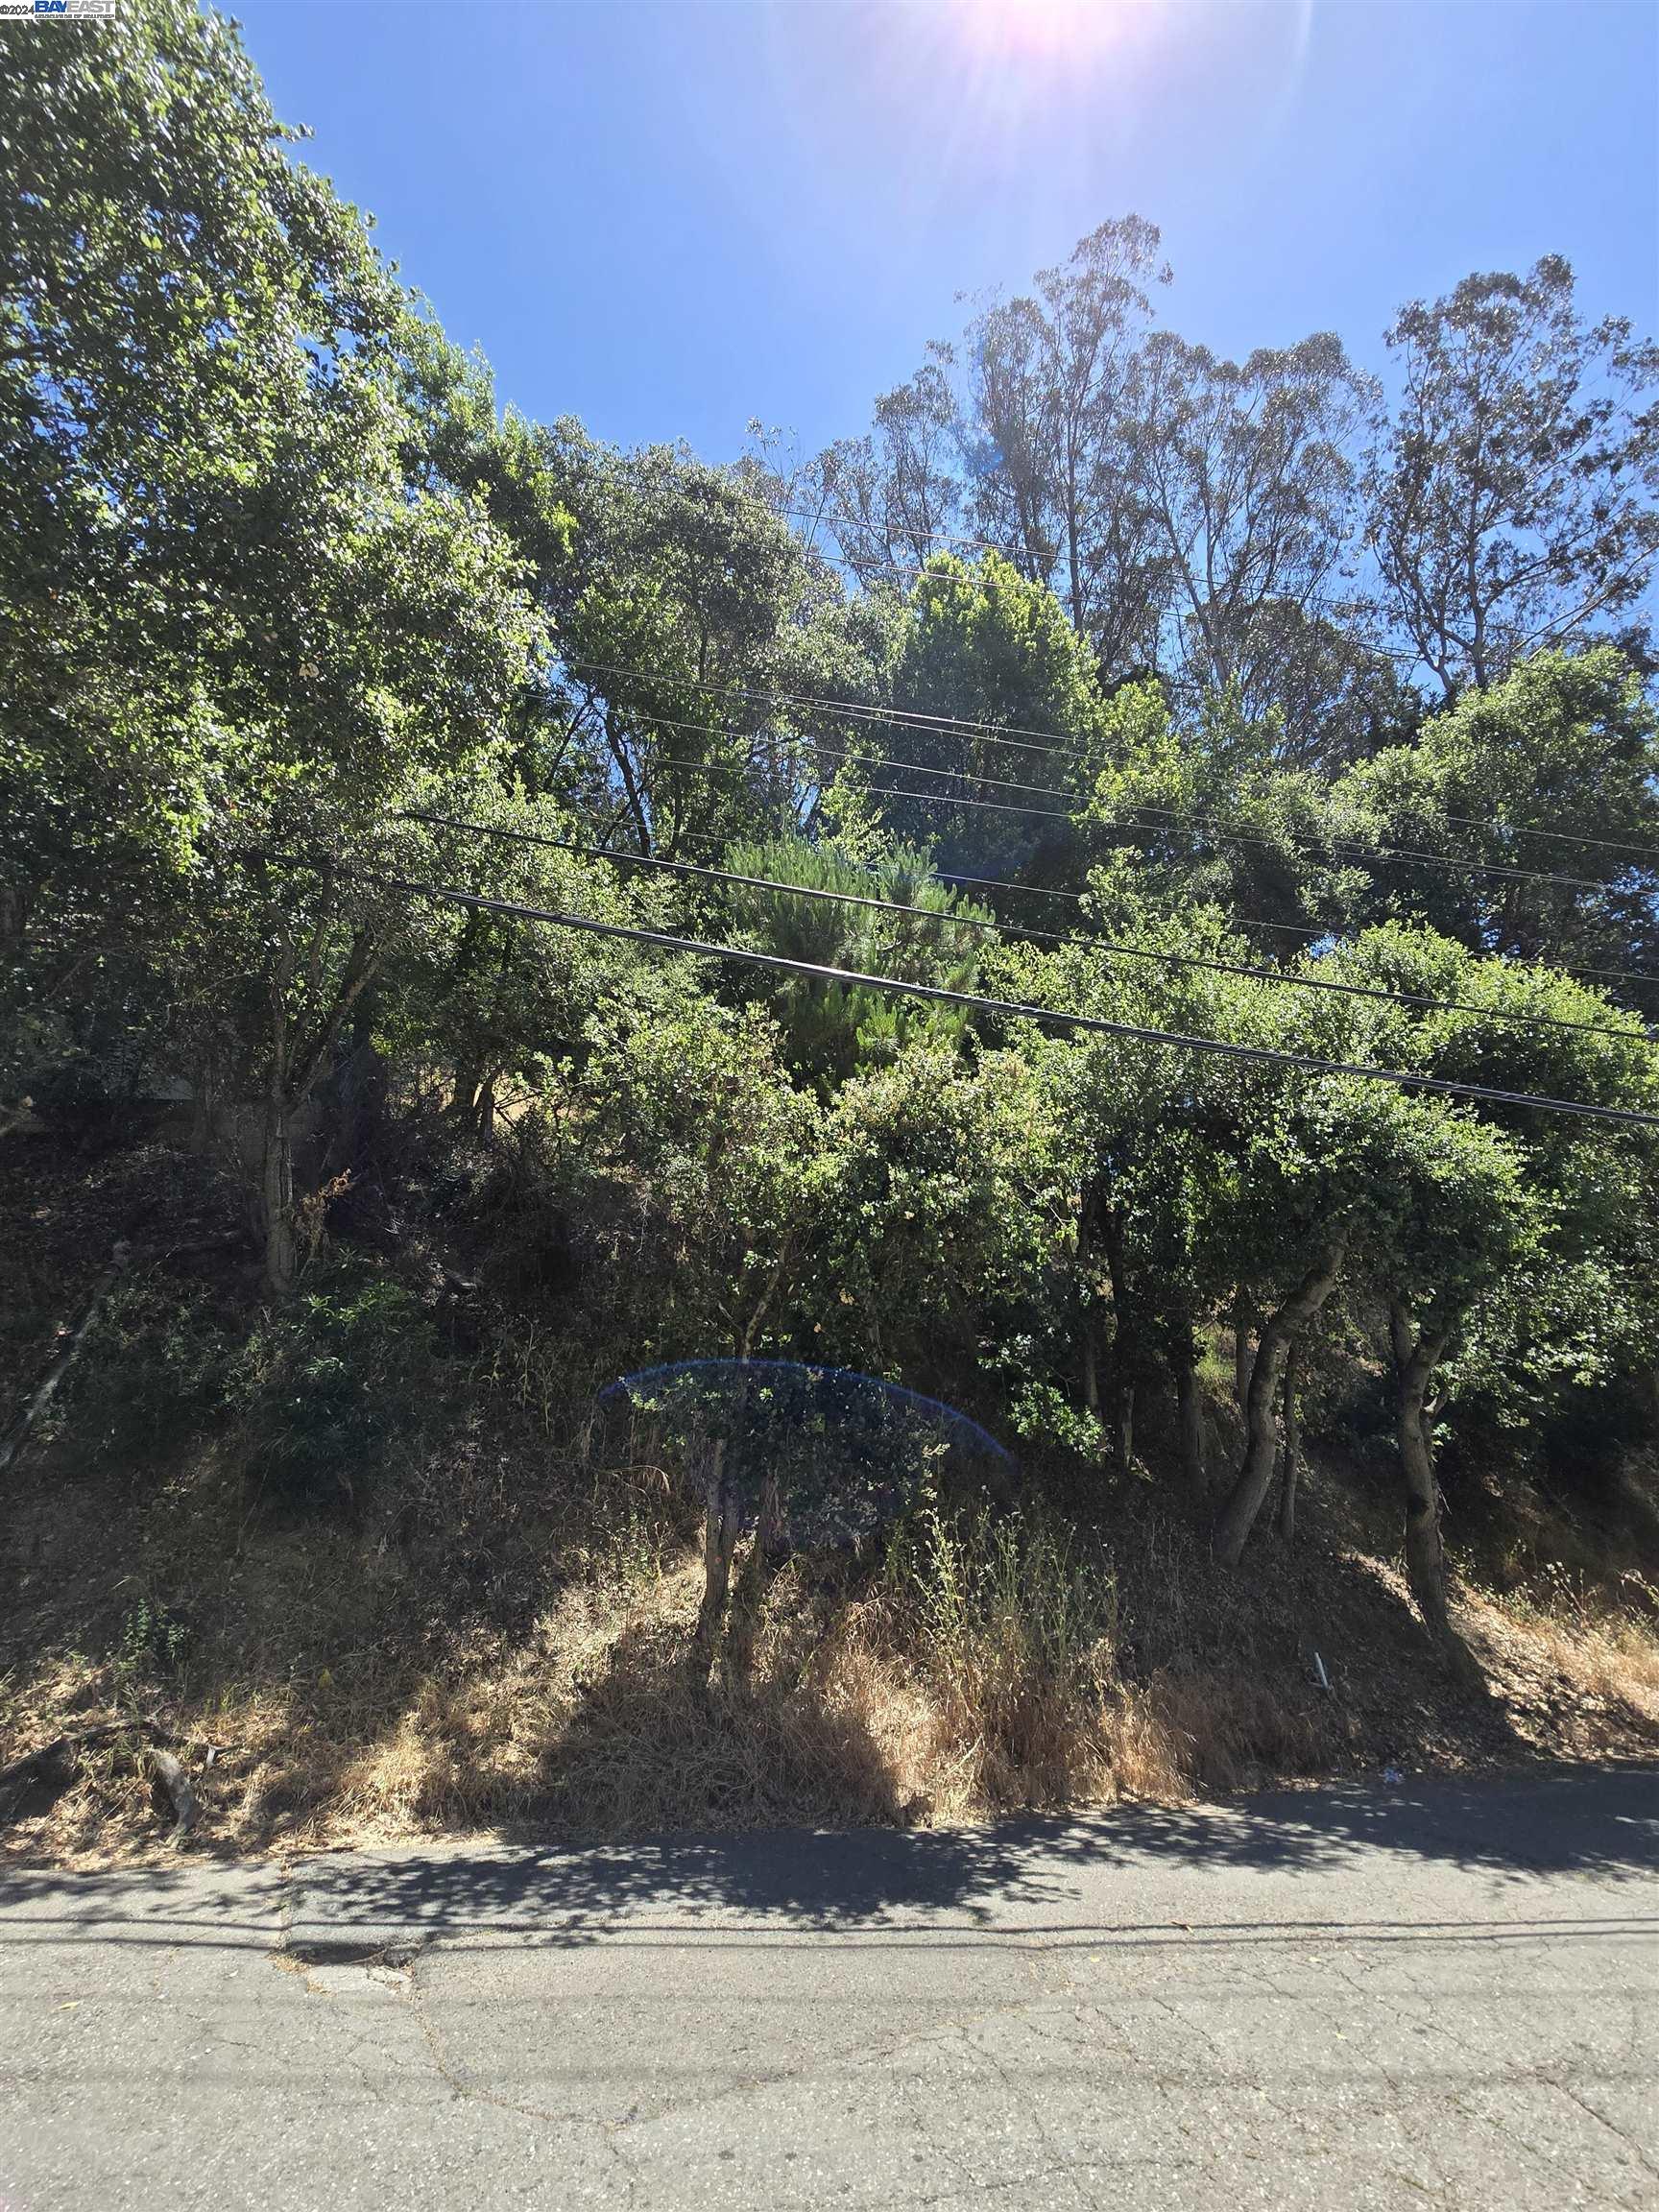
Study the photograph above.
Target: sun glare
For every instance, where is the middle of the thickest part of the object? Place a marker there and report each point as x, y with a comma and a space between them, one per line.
1049, 30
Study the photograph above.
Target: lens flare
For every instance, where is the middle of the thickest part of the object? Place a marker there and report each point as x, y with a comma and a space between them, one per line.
1047, 29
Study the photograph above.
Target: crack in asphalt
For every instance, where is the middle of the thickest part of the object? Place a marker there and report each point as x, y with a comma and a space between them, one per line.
1063, 2011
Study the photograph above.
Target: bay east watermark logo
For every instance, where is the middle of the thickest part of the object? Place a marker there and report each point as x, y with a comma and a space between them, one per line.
63, 10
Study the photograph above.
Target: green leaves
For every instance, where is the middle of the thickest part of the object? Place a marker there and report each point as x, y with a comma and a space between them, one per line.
1548, 774
1513, 500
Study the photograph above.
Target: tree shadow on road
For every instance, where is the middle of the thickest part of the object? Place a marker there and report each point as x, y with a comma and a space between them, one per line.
1587, 1821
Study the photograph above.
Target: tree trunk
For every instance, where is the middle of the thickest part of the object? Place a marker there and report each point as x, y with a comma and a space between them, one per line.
296, 1063
464, 1090
1255, 1477
1189, 1415
1291, 1460
1126, 1347
1415, 1360
1241, 1345
719, 1543
766, 1554
484, 1113
46, 1390
1089, 1319
276, 1198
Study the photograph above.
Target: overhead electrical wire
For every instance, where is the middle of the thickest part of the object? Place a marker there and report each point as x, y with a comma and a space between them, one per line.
1168, 816
1025, 740
1020, 1010
1061, 814
1091, 939
1052, 814
1171, 814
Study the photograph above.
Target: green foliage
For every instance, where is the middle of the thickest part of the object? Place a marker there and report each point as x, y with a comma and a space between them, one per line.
155, 1370
278, 579
1205, 809
321, 1384
982, 645
1017, 1594
714, 1159
1513, 498
940, 1209
153, 1645
1555, 770
834, 1028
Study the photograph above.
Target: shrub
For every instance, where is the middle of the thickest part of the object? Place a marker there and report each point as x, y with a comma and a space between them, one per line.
323, 1381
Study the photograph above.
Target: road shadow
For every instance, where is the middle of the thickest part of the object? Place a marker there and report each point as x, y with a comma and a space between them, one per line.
1603, 1822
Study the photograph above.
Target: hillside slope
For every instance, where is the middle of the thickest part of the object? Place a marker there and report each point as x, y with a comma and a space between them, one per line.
371, 1569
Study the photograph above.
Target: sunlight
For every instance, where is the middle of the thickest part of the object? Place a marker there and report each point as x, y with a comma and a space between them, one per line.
1049, 30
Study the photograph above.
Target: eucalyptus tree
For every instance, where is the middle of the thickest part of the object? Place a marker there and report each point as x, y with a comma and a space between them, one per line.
891, 496
1050, 438
1249, 473
1334, 692
1514, 498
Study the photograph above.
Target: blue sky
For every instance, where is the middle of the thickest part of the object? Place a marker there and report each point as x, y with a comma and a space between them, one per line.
667, 219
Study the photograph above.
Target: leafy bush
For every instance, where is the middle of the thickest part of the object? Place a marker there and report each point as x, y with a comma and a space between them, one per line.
321, 1383
153, 1645
156, 1367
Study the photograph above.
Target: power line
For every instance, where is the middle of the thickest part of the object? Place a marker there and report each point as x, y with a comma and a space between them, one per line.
1081, 898
1043, 890
1028, 740
1171, 817
1308, 930
1019, 1010
1001, 930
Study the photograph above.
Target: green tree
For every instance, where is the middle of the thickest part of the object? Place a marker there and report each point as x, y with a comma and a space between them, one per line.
891, 496
1514, 500
271, 635
1525, 819
1247, 470
1443, 1210
1205, 810
1051, 445
1145, 1141
982, 645
693, 1118
833, 1028
689, 623
161, 264
939, 1209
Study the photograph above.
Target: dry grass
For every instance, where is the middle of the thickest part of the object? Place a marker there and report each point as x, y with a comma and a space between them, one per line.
860, 1708
903, 1700
493, 1636
1577, 1665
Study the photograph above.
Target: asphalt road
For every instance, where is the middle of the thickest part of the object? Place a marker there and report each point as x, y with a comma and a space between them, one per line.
1424, 1995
